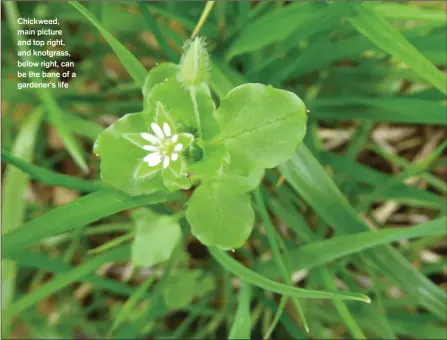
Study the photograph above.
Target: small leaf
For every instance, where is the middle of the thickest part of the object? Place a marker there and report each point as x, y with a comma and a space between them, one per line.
180, 288
264, 125
121, 158
155, 239
227, 220
157, 75
175, 177
184, 107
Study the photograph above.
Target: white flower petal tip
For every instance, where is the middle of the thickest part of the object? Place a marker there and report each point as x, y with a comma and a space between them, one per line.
157, 130
174, 156
150, 148
150, 138
167, 129
178, 147
153, 159
174, 138
165, 162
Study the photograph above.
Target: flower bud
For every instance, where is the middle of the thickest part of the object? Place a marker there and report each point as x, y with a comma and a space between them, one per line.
194, 65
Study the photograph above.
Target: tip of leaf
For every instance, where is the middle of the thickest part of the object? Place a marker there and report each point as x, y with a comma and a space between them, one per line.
367, 299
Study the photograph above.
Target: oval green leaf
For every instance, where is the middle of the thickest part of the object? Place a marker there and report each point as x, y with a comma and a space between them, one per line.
263, 124
220, 217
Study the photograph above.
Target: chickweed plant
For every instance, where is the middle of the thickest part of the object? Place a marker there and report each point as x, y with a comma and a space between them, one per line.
227, 170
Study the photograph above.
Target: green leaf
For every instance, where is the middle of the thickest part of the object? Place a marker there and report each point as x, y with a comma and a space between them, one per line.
394, 109
262, 124
409, 11
121, 152
126, 312
180, 289
155, 29
227, 220
215, 157
155, 239
274, 26
157, 75
55, 113
176, 177
56, 117
238, 176
373, 26
241, 328
325, 251
206, 285
255, 279
309, 179
191, 111
279, 24
129, 61
73, 215
14, 187
34, 260
62, 280
50, 177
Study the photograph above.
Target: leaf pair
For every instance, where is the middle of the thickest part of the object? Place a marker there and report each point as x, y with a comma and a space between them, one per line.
180, 140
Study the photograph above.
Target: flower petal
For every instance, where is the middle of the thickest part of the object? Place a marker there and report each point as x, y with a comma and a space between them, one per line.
165, 162
150, 138
153, 159
174, 138
178, 147
174, 156
167, 130
150, 148
157, 130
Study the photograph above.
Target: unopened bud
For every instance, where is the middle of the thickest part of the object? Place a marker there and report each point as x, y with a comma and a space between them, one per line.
194, 65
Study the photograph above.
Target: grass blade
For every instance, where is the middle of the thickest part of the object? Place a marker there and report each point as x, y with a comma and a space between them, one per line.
241, 328
276, 253
255, 279
136, 296
373, 26
62, 280
310, 180
154, 27
73, 215
55, 113
15, 184
133, 66
42, 262
50, 177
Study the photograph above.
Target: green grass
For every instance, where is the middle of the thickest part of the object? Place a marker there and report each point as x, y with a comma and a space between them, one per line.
356, 215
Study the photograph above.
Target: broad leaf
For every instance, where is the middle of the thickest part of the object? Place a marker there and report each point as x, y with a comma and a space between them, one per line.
180, 289
155, 239
219, 216
262, 124
122, 163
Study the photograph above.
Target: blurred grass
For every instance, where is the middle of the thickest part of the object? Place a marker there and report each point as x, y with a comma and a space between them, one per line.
372, 172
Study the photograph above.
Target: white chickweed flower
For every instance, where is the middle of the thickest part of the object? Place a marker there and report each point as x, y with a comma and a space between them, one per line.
163, 146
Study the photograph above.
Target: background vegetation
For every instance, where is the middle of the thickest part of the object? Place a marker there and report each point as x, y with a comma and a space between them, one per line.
359, 208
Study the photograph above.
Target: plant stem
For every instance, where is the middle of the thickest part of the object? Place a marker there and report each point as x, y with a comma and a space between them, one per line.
206, 12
